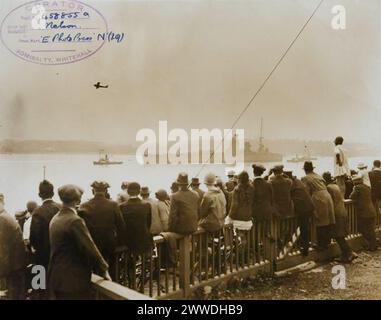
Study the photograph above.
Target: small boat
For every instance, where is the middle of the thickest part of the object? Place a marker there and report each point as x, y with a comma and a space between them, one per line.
104, 161
306, 157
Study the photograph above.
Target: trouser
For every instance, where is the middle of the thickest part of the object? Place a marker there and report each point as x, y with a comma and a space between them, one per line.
341, 183
345, 249
16, 285
366, 226
324, 236
305, 234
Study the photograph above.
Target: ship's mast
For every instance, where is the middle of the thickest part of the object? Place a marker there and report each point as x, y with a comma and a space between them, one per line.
261, 146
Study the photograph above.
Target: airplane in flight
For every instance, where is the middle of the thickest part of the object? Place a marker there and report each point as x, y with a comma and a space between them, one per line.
98, 85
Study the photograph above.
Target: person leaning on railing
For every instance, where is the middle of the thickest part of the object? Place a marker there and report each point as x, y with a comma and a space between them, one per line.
365, 212
184, 208
74, 254
213, 206
240, 214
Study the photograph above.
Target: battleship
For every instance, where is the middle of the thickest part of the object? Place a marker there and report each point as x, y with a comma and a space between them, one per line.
262, 154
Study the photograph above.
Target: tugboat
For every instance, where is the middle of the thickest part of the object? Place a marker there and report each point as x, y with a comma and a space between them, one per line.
105, 161
262, 154
306, 157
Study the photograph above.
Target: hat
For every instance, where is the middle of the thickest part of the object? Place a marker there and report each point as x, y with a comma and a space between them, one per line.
182, 179
124, 185
69, 193
162, 194
144, 191
278, 168
100, 185
259, 167
21, 215
1, 198
308, 165
210, 179
133, 188
174, 185
195, 182
231, 173
357, 178
362, 165
327, 176
288, 173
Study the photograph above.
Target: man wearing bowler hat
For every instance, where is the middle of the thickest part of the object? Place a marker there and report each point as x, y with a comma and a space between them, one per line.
184, 208
195, 185
104, 221
74, 254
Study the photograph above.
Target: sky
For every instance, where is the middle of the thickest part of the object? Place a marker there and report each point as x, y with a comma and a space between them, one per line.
197, 64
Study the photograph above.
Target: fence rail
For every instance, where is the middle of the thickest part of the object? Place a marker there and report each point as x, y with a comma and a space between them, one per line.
179, 264
205, 257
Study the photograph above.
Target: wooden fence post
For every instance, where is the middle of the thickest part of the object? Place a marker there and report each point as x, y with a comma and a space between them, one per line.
272, 252
184, 267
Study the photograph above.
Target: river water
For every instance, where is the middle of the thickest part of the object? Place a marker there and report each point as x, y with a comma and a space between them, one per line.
21, 173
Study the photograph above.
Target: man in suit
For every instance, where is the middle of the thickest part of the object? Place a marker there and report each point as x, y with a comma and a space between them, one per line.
283, 202
375, 182
104, 221
137, 217
156, 227
39, 228
25, 215
12, 254
74, 254
365, 211
184, 208
304, 210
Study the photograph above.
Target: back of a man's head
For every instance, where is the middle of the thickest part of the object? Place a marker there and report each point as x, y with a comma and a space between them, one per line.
46, 190
339, 140
377, 163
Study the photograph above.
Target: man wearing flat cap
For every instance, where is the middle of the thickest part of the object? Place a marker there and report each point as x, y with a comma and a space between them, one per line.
365, 212
184, 208
39, 226
104, 221
74, 254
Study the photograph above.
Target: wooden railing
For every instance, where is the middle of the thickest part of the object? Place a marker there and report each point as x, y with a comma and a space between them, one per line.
203, 257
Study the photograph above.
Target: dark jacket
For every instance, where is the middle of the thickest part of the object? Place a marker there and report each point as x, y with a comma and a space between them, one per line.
39, 231
362, 197
183, 212
73, 254
302, 200
212, 210
242, 203
12, 249
137, 217
375, 182
341, 216
105, 223
282, 196
263, 206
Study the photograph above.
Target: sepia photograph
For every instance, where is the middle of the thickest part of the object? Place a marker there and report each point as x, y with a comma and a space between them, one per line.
217, 152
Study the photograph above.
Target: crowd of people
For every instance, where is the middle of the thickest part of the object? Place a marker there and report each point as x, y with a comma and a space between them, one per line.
73, 239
